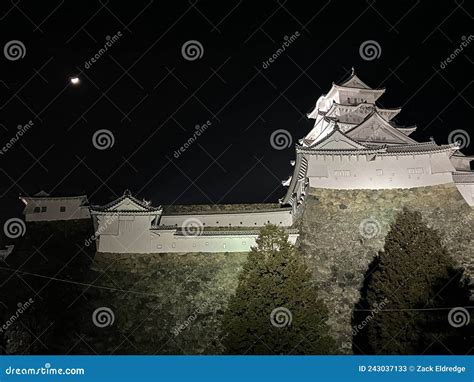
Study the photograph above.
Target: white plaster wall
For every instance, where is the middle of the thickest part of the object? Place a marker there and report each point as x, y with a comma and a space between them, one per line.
74, 210
168, 242
356, 172
127, 234
467, 192
132, 233
462, 163
356, 96
282, 218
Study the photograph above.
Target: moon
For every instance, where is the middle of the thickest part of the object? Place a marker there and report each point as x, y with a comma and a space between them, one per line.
74, 80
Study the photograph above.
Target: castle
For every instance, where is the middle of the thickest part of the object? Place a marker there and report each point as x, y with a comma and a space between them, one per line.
352, 172
353, 145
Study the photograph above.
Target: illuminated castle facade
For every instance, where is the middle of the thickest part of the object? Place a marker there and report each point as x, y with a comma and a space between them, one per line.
354, 144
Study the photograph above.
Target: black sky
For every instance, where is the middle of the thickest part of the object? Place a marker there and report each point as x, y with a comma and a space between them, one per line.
151, 98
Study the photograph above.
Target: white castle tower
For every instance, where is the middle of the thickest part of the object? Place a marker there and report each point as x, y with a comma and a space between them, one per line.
354, 144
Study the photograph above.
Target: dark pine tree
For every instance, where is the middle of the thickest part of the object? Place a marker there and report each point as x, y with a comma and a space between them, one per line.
410, 288
276, 308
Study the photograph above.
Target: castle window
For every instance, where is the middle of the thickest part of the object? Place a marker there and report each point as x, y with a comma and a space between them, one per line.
62, 209
243, 243
127, 225
158, 246
342, 173
43, 209
379, 171
37, 209
173, 245
416, 170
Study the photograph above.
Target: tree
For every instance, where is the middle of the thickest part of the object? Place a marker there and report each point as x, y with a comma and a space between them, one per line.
276, 308
416, 282
43, 268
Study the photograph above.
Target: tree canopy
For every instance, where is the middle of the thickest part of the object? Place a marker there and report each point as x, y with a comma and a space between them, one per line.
276, 308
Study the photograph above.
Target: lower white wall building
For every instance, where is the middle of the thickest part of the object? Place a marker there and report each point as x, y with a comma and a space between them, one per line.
177, 240
43, 207
278, 216
128, 225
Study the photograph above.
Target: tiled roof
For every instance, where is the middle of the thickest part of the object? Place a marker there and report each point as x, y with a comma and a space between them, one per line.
421, 148
212, 231
335, 130
208, 209
126, 195
463, 177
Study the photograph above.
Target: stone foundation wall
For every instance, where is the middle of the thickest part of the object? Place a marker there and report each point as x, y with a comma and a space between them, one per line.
166, 303
342, 230
183, 296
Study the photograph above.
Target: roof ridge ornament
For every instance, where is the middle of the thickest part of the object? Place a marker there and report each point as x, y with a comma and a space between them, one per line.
127, 192
42, 193
457, 144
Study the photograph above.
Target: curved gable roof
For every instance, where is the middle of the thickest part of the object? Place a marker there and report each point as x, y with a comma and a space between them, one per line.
337, 140
126, 203
376, 129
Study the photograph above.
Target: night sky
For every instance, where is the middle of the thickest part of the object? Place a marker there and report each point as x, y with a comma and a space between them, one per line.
151, 98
